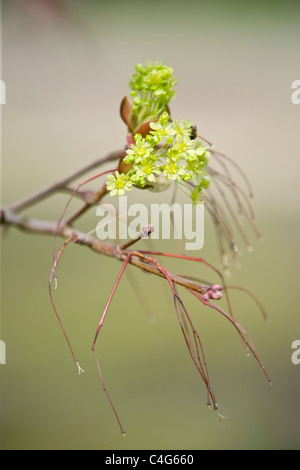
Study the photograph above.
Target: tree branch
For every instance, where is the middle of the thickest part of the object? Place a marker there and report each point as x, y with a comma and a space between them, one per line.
9, 218
62, 185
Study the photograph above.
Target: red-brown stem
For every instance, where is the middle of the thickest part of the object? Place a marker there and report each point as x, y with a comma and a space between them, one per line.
69, 240
217, 157
233, 215
97, 333
41, 195
220, 154
243, 333
67, 205
205, 377
241, 288
175, 296
254, 298
200, 260
198, 366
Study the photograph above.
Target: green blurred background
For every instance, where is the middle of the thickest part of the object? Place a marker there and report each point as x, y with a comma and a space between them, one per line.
66, 66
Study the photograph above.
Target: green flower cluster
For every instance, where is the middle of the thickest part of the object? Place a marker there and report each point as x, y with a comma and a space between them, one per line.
152, 89
118, 183
167, 153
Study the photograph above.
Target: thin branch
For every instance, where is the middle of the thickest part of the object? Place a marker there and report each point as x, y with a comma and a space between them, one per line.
96, 198
61, 185
49, 227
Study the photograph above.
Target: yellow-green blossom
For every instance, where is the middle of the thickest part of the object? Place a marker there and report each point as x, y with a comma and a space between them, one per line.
173, 170
169, 151
152, 89
137, 152
118, 183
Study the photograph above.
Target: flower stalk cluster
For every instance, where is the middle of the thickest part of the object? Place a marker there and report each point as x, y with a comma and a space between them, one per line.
159, 150
166, 154
152, 89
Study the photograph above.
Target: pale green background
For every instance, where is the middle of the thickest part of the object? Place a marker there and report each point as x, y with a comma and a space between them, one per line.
66, 71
